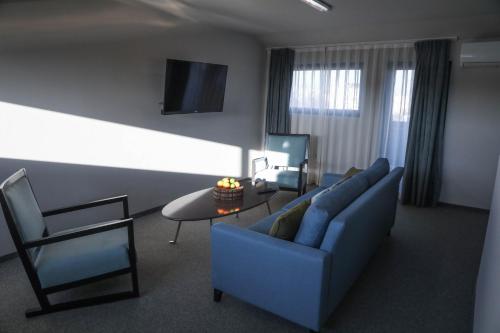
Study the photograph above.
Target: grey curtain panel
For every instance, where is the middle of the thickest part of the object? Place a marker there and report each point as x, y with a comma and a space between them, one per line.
278, 96
423, 163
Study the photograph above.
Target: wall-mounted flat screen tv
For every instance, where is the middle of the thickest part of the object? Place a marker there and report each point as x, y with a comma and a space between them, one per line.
192, 87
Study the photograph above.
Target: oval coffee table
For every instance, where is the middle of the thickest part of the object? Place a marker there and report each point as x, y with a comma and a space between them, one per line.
201, 205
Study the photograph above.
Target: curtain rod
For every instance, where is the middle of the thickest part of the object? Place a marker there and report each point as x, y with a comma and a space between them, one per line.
454, 38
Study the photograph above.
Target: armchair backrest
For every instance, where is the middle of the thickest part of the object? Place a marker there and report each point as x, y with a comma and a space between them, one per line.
287, 149
21, 210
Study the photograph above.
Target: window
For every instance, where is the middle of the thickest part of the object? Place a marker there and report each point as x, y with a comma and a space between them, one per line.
401, 95
335, 91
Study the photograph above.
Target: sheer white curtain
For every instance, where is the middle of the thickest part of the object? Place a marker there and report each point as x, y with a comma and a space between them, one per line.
354, 101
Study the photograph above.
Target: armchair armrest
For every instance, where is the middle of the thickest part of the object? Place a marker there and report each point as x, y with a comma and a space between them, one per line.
122, 198
288, 279
255, 164
79, 232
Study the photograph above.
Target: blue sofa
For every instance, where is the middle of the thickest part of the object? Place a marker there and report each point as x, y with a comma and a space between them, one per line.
300, 283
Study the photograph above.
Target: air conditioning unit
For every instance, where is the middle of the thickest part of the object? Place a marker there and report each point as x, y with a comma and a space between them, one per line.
480, 54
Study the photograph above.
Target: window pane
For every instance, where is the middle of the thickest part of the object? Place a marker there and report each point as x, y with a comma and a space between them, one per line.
344, 89
401, 98
328, 90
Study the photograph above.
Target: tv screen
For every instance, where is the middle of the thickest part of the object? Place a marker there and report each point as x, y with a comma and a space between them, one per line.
194, 87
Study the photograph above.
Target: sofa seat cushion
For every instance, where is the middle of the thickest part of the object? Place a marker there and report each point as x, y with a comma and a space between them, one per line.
264, 225
82, 257
287, 224
284, 178
326, 207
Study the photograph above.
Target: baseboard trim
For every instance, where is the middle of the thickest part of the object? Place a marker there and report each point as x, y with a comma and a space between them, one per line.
479, 210
146, 212
8, 257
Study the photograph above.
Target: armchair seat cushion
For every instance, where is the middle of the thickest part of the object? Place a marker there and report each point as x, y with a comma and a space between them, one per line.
284, 178
83, 257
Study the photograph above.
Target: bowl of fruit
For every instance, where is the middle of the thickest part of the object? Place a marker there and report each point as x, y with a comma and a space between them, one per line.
228, 189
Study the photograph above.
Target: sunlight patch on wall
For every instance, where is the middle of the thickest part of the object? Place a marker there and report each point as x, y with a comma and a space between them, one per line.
40, 135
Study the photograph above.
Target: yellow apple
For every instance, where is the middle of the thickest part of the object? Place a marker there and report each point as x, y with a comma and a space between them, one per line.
220, 183
237, 184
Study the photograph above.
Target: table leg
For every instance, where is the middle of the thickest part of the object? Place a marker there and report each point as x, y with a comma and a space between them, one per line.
211, 222
176, 233
268, 208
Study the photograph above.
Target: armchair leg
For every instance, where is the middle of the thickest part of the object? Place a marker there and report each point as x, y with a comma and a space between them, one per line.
135, 283
217, 295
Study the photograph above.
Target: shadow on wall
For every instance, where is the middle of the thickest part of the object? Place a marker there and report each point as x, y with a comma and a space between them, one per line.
72, 159
60, 184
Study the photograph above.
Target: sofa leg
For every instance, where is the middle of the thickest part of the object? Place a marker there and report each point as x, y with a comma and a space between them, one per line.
389, 233
217, 295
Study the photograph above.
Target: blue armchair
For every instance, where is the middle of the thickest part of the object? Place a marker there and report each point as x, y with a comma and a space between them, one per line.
285, 162
70, 258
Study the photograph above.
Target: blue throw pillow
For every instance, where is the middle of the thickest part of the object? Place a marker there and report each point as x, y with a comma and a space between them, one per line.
379, 169
327, 206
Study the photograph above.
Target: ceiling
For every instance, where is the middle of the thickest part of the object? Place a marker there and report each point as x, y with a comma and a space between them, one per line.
25, 20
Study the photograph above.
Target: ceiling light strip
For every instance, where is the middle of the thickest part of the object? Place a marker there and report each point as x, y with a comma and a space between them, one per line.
320, 5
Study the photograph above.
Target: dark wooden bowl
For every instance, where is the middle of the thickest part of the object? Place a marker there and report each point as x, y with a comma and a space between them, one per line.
228, 193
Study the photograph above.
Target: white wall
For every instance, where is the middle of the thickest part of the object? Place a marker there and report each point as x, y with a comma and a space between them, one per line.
487, 303
472, 135
111, 91
472, 132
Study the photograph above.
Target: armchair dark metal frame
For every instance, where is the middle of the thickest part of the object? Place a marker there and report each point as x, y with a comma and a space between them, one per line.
301, 189
23, 247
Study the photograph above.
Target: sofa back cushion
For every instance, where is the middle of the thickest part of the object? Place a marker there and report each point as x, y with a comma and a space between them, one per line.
379, 169
328, 205
351, 172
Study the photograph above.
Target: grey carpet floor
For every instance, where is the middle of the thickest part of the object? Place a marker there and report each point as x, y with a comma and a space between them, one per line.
421, 279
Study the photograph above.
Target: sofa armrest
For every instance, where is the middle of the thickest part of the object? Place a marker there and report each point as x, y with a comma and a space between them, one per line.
282, 277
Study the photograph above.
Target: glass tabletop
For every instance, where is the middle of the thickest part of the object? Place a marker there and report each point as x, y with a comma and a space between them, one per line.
201, 205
